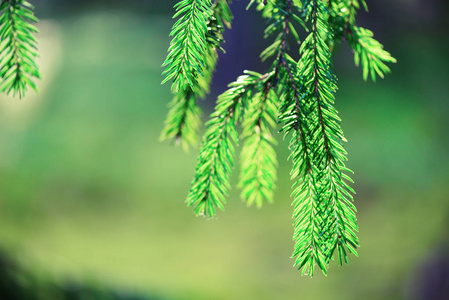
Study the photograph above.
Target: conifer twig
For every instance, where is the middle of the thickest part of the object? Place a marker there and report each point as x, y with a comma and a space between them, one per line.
18, 47
184, 118
216, 160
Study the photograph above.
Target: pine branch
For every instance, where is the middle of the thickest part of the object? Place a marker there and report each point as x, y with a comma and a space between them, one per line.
307, 206
336, 214
18, 47
280, 15
324, 213
258, 173
185, 61
308, 214
216, 160
258, 157
369, 52
184, 117
183, 120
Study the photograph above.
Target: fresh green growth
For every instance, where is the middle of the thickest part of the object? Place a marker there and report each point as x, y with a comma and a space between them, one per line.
300, 95
367, 51
18, 51
324, 214
185, 60
216, 160
193, 51
370, 52
258, 156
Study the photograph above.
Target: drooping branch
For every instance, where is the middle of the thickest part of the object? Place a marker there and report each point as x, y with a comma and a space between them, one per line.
183, 120
18, 46
300, 95
216, 159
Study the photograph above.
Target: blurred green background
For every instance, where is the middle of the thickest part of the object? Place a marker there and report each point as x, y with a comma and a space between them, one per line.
92, 204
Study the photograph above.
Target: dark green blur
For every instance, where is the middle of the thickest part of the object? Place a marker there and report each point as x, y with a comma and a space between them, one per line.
92, 204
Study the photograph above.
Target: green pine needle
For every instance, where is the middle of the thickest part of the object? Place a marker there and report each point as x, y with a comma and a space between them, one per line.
185, 61
369, 53
258, 157
183, 120
216, 160
18, 47
324, 217
184, 117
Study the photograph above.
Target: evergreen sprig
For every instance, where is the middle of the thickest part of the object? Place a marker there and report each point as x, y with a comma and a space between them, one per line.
317, 155
185, 60
216, 160
300, 95
369, 52
18, 47
184, 117
258, 158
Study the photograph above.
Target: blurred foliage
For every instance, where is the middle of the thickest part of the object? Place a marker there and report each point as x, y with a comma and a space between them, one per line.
17, 283
88, 192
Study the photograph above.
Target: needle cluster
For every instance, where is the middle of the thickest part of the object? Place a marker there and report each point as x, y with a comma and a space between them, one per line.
299, 94
18, 47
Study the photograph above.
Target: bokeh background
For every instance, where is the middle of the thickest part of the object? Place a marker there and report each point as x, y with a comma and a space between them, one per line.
92, 204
